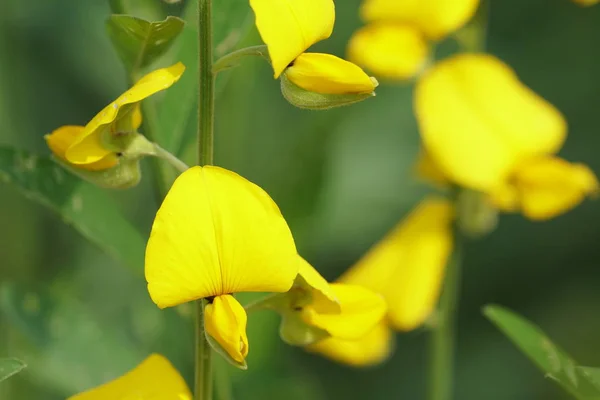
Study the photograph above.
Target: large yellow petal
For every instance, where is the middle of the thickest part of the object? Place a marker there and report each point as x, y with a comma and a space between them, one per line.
217, 233
435, 18
324, 73
225, 320
373, 348
289, 27
389, 50
407, 266
62, 138
323, 297
119, 116
154, 379
546, 187
477, 120
361, 310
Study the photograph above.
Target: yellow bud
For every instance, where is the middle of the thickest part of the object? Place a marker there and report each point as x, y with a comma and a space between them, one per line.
225, 321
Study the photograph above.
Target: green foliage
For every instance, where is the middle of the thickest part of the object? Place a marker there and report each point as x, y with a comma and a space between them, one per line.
80, 204
138, 42
581, 382
10, 367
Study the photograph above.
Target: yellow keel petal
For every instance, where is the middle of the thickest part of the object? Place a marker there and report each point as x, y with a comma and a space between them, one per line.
225, 320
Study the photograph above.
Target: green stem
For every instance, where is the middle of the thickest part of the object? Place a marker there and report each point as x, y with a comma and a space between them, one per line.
206, 105
170, 158
441, 363
203, 383
232, 59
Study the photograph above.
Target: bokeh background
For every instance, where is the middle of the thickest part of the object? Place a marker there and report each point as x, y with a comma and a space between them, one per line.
342, 178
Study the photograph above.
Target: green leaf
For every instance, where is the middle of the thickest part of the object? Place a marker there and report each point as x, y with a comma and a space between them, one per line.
10, 367
73, 350
80, 204
178, 119
139, 42
550, 358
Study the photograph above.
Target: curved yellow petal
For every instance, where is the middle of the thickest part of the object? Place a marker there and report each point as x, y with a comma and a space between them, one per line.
361, 310
62, 138
289, 27
217, 233
225, 320
119, 116
407, 266
435, 18
477, 120
372, 349
324, 299
549, 186
154, 378
389, 50
324, 73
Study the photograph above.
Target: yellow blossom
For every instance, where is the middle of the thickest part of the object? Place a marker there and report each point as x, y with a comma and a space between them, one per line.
586, 3
217, 234
435, 18
225, 320
389, 50
478, 121
545, 187
121, 116
155, 378
290, 27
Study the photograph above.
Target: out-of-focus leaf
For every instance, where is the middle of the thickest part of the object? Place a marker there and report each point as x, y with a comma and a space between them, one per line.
139, 42
10, 367
73, 351
592, 374
550, 358
231, 20
80, 204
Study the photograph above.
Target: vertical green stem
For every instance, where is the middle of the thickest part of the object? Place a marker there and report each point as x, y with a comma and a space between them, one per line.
443, 335
206, 105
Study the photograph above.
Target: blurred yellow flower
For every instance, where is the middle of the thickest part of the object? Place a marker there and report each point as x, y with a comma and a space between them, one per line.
394, 43
214, 235
155, 378
290, 27
586, 3
478, 121
92, 143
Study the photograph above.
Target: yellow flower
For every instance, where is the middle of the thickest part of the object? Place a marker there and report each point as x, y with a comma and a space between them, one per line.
586, 3
543, 188
407, 269
214, 235
478, 121
389, 50
155, 378
435, 18
92, 144
290, 27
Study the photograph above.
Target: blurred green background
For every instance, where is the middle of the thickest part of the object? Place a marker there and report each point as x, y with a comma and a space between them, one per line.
342, 178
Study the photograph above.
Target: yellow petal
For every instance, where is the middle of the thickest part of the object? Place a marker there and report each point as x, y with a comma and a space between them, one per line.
323, 297
217, 233
225, 320
462, 104
373, 348
427, 169
361, 310
550, 186
435, 18
120, 115
407, 266
586, 3
289, 27
324, 73
154, 378
60, 140
389, 50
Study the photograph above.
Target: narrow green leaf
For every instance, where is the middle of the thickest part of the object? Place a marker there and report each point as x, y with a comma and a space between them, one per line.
551, 359
10, 367
80, 204
231, 21
72, 350
139, 42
